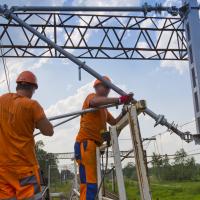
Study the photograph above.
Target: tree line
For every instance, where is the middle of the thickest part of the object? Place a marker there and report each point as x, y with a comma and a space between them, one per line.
164, 168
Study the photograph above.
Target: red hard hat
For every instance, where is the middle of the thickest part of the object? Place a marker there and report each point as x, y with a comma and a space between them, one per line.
27, 77
97, 81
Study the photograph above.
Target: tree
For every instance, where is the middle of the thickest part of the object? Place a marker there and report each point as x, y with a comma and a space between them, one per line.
66, 175
130, 171
179, 169
166, 168
157, 164
45, 159
182, 168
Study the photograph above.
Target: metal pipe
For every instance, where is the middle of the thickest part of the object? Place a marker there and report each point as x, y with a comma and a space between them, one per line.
74, 115
145, 8
81, 112
158, 118
60, 123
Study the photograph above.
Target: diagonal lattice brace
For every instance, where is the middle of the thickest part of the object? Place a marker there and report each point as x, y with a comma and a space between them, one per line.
96, 36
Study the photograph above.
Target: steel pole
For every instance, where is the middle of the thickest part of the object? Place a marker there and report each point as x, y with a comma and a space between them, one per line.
60, 123
145, 8
192, 25
81, 112
158, 118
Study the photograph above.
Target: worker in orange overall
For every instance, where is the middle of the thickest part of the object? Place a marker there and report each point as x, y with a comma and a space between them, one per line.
19, 116
92, 125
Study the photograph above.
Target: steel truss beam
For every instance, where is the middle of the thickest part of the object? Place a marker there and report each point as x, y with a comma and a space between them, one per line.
95, 36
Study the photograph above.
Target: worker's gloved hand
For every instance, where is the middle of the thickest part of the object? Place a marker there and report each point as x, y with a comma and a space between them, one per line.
126, 99
106, 137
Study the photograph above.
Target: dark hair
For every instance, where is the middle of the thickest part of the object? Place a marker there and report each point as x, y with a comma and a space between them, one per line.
25, 86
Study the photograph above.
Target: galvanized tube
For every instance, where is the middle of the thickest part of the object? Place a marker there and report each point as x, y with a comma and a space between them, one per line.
60, 123
145, 8
81, 112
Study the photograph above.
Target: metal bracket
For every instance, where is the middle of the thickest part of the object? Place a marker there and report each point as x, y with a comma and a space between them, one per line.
174, 11
184, 10
79, 70
146, 8
141, 106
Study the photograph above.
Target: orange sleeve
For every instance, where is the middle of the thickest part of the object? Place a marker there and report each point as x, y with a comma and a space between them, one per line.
88, 99
38, 112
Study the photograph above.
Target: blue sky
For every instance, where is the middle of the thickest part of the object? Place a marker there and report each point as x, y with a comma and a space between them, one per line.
166, 88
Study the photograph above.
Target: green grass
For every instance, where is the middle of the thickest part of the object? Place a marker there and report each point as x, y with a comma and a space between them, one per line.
64, 188
160, 190
166, 190
176, 191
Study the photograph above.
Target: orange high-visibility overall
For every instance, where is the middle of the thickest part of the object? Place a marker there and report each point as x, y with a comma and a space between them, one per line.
19, 170
88, 138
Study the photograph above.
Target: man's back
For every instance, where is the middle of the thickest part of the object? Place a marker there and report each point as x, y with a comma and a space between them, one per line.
18, 117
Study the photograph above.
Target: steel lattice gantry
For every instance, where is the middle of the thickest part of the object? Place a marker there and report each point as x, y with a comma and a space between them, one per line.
58, 31
95, 36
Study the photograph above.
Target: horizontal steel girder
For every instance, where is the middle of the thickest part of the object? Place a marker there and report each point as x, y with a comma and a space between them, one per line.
95, 36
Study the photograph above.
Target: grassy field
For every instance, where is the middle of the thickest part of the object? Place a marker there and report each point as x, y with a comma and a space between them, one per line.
160, 190
166, 190
64, 188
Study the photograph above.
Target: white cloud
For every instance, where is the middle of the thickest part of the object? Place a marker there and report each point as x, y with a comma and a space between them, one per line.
180, 66
39, 63
64, 137
70, 103
144, 44
16, 66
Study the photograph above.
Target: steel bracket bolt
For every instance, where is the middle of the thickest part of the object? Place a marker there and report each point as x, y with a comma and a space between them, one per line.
188, 137
158, 8
141, 105
174, 11
146, 8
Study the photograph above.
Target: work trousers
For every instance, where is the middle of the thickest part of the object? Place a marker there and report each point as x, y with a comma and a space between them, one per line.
20, 183
85, 154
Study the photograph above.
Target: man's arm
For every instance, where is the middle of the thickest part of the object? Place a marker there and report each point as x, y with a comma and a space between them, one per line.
41, 121
45, 127
99, 101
